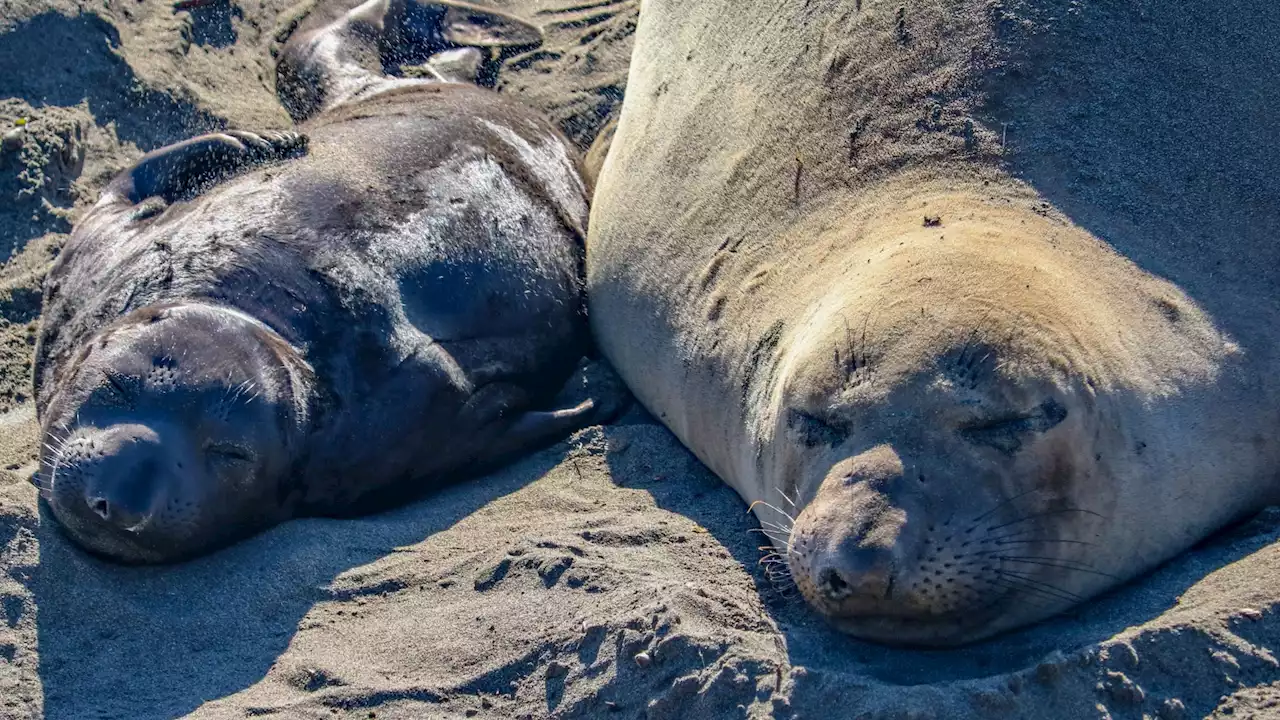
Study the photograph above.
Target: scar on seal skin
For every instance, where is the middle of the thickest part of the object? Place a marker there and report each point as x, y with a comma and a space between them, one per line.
249, 326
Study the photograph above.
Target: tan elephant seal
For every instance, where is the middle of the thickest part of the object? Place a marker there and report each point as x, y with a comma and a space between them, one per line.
955, 296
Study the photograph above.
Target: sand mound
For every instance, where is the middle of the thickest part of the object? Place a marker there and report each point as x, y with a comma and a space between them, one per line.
609, 576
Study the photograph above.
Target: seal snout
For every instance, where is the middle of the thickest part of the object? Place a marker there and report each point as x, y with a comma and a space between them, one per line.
845, 543
123, 473
865, 573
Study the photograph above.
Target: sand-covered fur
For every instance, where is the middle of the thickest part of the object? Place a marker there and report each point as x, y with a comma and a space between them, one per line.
978, 363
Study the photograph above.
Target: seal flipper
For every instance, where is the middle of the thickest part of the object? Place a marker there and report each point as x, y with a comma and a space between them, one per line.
478, 26
183, 170
459, 65
507, 431
536, 429
327, 62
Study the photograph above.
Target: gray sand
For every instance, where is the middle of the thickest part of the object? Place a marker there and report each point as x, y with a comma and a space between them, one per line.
608, 576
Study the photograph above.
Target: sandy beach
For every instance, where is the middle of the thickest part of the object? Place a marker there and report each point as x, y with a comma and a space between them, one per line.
611, 575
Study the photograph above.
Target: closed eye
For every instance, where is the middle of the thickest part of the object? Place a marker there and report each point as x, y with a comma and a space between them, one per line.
1007, 433
815, 431
119, 386
229, 453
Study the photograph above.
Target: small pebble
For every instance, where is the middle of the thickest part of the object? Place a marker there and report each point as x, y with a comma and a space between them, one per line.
1172, 709
13, 139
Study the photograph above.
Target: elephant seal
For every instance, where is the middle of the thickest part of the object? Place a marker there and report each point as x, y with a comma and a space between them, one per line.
250, 327
953, 294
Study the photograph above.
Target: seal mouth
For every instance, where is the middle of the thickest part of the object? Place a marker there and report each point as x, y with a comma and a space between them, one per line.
901, 610
950, 630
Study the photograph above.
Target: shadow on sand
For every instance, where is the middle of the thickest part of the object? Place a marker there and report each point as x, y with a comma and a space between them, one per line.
158, 642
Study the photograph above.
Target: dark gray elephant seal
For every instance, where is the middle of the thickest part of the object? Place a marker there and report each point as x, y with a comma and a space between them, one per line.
247, 328
978, 303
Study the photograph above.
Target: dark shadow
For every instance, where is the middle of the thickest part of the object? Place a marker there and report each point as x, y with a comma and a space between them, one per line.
157, 642
212, 26
56, 60
811, 643
21, 306
583, 127
1153, 126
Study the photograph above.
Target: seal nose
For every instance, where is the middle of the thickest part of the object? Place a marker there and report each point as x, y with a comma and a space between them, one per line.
848, 540
866, 573
125, 503
125, 497
123, 490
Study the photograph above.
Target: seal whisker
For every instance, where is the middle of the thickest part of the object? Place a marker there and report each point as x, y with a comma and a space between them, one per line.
777, 526
1029, 594
777, 540
1038, 583
1042, 540
1024, 586
790, 502
1047, 513
1064, 566
1019, 496
771, 507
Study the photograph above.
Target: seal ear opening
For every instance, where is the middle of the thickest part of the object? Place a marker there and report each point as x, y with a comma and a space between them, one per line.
477, 26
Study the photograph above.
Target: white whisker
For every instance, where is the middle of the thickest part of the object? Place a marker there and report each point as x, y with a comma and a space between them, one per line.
773, 508
790, 502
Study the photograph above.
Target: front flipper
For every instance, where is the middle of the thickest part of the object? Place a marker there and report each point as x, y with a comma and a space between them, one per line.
459, 65
536, 429
478, 26
183, 170
509, 434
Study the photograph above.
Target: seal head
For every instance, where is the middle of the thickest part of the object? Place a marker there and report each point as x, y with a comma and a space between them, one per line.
939, 500
174, 434
956, 435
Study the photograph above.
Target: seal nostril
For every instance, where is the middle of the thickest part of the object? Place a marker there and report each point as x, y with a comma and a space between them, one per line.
834, 585
101, 507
